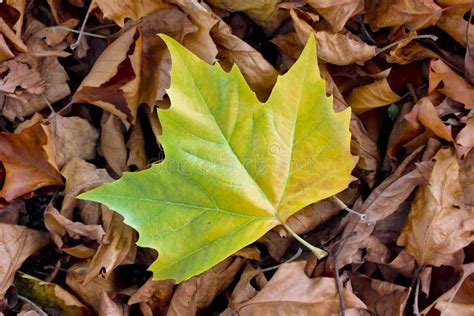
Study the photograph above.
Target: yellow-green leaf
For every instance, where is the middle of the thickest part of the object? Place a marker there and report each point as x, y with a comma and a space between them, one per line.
234, 167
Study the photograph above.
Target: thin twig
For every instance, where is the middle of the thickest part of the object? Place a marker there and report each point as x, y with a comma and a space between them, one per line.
363, 217
416, 310
64, 28
381, 50
79, 38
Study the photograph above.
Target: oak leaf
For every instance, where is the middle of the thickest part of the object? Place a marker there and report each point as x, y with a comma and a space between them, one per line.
242, 167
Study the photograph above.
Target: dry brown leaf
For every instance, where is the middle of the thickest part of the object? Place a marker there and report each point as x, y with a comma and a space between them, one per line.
108, 307
342, 48
21, 76
23, 103
337, 12
382, 298
454, 87
245, 289
276, 245
120, 247
259, 73
457, 301
198, 292
59, 225
452, 20
291, 292
25, 160
154, 297
382, 202
136, 147
112, 142
429, 117
413, 14
80, 176
373, 95
259, 10
72, 137
8, 36
16, 244
90, 293
118, 11
439, 224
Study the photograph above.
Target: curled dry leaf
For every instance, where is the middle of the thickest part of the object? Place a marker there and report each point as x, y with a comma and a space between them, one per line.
337, 12
457, 301
245, 289
112, 142
454, 87
52, 298
198, 292
8, 36
90, 292
72, 137
439, 224
453, 22
466, 135
429, 117
291, 292
154, 297
118, 11
373, 95
137, 157
80, 176
382, 202
120, 247
258, 10
20, 75
382, 298
413, 14
16, 244
59, 225
108, 307
25, 159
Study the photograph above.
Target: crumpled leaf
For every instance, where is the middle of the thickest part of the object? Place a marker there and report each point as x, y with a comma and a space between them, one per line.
108, 306
259, 10
154, 297
112, 142
8, 36
118, 11
16, 244
454, 87
291, 292
452, 20
413, 14
302, 144
21, 76
439, 224
72, 137
198, 292
382, 298
373, 95
337, 12
466, 135
25, 159
429, 117
51, 297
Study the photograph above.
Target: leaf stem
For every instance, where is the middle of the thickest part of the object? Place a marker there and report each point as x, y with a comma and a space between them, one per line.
319, 253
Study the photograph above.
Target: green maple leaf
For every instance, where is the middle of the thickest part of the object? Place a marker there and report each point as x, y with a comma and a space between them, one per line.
234, 167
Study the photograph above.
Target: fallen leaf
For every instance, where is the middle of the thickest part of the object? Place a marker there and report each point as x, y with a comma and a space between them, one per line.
72, 137
413, 14
337, 13
108, 306
291, 292
382, 298
17, 243
284, 195
466, 135
245, 289
118, 11
276, 244
59, 225
154, 297
8, 36
112, 142
52, 298
21, 76
452, 20
137, 157
454, 87
198, 292
439, 224
90, 292
121, 245
429, 117
26, 163
259, 10
373, 95
80, 176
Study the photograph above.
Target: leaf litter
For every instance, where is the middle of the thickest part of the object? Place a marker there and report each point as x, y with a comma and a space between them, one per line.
73, 119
